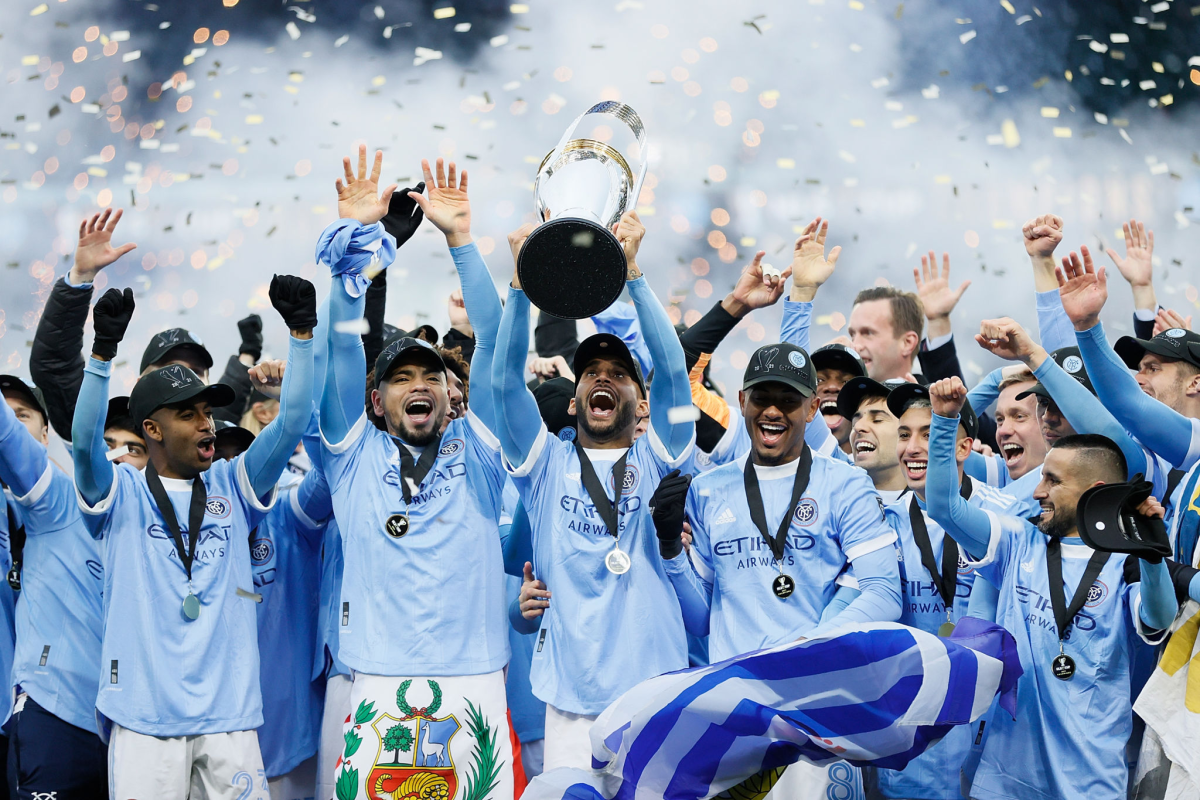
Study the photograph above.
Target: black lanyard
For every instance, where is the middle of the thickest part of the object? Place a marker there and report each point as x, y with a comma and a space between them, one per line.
947, 585
759, 515
608, 511
167, 511
1064, 615
415, 473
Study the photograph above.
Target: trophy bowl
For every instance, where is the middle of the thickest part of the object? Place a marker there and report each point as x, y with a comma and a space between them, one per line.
572, 266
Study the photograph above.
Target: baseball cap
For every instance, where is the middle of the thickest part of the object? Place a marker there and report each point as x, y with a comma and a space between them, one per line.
606, 345
839, 357
406, 348
31, 394
118, 416
168, 340
1177, 343
170, 385
1072, 363
905, 393
425, 332
1108, 520
782, 363
233, 435
553, 397
853, 393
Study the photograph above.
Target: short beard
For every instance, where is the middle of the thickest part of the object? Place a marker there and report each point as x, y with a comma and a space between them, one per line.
622, 422
1058, 526
418, 438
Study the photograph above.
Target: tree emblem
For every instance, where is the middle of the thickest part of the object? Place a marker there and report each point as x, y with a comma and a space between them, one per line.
398, 739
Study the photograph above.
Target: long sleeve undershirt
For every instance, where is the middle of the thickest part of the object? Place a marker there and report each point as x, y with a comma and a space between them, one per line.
23, 459
1054, 326
794, 329
483, 311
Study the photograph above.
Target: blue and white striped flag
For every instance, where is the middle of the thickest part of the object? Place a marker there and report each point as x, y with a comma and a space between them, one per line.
879, 694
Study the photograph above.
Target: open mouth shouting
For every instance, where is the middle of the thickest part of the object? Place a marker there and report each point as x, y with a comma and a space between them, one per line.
1013, 453
829, 410
771, 432
602, 403
206, 448
914, 469
418, 409
864, 448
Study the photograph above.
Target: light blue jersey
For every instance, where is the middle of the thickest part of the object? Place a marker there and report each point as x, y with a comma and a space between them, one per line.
60, 615
327, 661
838, 519
603, 633
933, 775
7, 612
1069, 738
432, 601
161, 674
285, 552
735, 442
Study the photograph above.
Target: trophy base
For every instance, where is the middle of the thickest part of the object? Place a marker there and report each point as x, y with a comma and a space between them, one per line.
572, 268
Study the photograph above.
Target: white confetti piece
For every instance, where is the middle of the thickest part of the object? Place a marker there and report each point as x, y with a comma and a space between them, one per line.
356, 326
150, 144
1160, 168
117, 452
966, 37
119, 36
379, 12
132, 55
1021, 20
462, 27
1124, 135
846, 156
1099, 47
879, 83
345, 37
931, 92
1158, 8
496, 41
90, 108
424, 54
1101, 118
1118, 38
1146, 85
681, 414
511, 86
292, 30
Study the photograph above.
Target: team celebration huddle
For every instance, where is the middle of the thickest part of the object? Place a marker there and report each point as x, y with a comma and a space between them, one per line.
400, 565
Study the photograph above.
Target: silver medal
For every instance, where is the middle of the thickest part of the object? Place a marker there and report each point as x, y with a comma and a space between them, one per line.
191, 607
617, 561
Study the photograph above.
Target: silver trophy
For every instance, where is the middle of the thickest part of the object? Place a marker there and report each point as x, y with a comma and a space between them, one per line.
572, 266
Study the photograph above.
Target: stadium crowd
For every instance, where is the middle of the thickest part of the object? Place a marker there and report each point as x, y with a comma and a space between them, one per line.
408, 565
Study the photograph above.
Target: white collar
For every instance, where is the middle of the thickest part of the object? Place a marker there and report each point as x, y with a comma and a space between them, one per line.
605, 454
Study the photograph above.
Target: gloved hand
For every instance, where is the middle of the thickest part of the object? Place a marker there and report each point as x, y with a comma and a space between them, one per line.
296, 301
403, 217
666, 509
110, 318
252, 339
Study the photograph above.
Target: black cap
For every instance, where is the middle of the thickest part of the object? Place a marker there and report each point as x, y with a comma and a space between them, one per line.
839, 357
1107, 518
553, 397
853, 393
170, 385
168, 340
1177, 343
782, 363
31, 394
233, 435
426, 333
118, 416
407, 348
606, 345
905, 393
1072, 363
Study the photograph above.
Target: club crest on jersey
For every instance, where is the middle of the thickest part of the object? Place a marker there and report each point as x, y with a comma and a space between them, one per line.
567, 434
261, 550
806, 511
1072, 364
1096, 595
632, 479
217, 507
963, 567
451, 447
414, 758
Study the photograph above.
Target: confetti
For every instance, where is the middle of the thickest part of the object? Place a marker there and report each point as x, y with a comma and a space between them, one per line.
677, 415
42, 9
132, 55
292, 30
966, 37
1062, 133
443, 13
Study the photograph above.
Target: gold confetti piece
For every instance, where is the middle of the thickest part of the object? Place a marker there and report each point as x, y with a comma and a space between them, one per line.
856, 5
785, 163
1007, 6
1167, 99
519, 8
1050, 112
1001, 224
748, 241
254, 119
941, 178
1062, 133
378, 80
847, 157
1042, 81
29, 61
858, 123
444, 13
1068, 75
1008, 129
42, 9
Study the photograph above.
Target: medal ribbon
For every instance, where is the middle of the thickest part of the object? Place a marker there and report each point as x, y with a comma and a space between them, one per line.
947, 582
167, 511
1064, 615
609, 511
415, 473
759, 515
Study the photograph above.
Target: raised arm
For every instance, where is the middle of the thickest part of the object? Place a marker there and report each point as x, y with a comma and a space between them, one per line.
93, 470
401, 222
1084, 290
296, 301
23, 459
237, 369
518, 421
969, 526
878, 575
1041, 235
810, 269
1137, 267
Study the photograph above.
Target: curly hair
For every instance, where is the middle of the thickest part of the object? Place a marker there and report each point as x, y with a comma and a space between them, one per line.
455, 362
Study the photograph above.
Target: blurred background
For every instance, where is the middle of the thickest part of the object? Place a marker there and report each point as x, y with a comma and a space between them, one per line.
219, 126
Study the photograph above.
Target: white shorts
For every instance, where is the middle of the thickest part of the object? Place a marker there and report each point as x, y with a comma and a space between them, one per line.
297, 784
568, 740
333, 722
436, 737
211, 766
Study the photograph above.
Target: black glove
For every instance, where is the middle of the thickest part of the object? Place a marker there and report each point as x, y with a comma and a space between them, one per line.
252, 340
110, 318
404, 215
666, 509
296, 301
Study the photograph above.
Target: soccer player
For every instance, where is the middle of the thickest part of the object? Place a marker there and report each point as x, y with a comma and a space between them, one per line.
423, 624
774, 530
59, 617
177, 599
873, 433
1072, 613
613, 620
1017, 430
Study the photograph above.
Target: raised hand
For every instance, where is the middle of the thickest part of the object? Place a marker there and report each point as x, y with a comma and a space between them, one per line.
947, 397
629, 232
1137, 266
936, 295
1007, 339
516, 240
358, 196
755, 288
1083, 289
457, 311
1042, 234
534, 598
267, 378
447, 206
810, 267
296, 301
552, 367
110, 319
250, 329
95, 251
404, 215
1167, 318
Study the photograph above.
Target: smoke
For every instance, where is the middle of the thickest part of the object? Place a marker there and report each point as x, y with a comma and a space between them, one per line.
908, 127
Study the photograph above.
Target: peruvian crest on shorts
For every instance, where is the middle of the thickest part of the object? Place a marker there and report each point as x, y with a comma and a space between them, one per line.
413, 760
